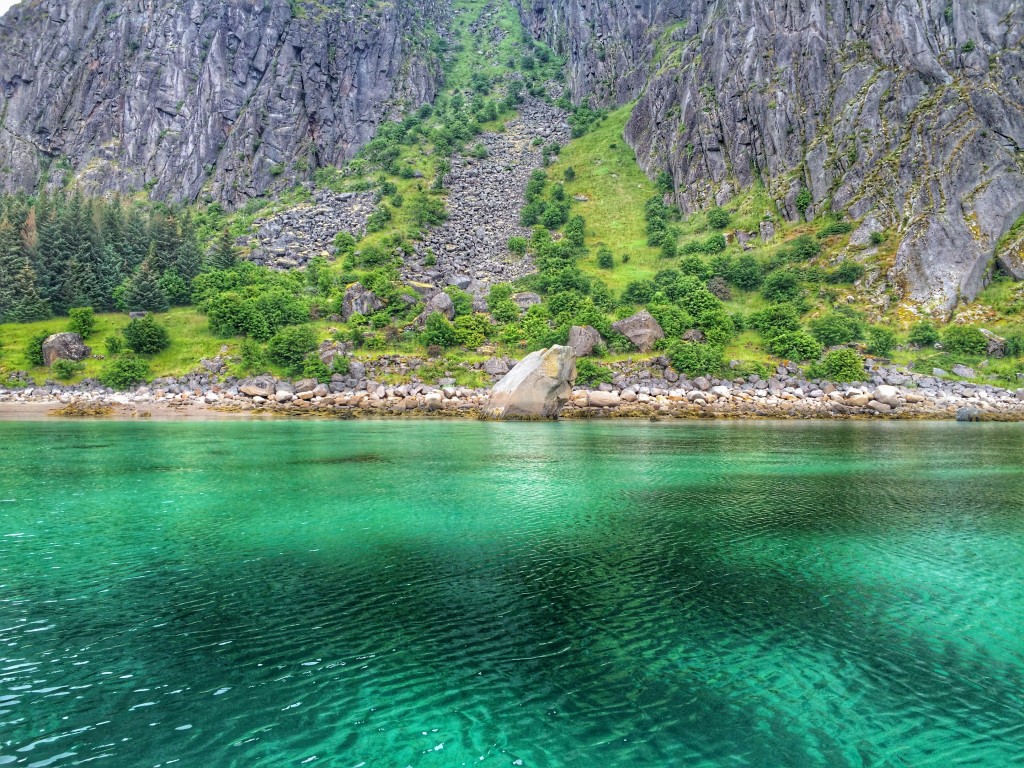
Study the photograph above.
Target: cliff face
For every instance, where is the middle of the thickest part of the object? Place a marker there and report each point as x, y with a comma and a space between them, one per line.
230, 98
908, 112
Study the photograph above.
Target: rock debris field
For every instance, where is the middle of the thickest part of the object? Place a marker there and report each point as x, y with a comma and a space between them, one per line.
485, 199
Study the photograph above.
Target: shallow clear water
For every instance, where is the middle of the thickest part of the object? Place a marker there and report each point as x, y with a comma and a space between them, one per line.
446, 594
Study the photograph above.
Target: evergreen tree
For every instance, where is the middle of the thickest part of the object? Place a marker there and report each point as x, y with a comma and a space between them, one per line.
27, 305
144, 293
223, 256
188, 259
135, 243
19, 300
163, 236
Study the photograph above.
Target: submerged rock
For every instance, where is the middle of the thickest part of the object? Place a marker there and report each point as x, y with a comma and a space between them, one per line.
536, 388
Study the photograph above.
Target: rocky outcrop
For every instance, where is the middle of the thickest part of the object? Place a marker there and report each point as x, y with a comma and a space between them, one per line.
204, 97
537, 388
358, 298
641, 329
907, 112
64, 346
294, 237
583, 339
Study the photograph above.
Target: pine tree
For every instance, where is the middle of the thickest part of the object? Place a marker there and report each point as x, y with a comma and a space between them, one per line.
223, 256
188, 259
19, 300
136, 241
27, 305
144, 293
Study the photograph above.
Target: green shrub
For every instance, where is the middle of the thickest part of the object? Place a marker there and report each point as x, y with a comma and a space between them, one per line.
82, 321
570, 174
113, 345
253, 357
802, 248
341, 365
780, 286
315, 368
437, 331
471, 330
774, 320
876, 238
517, 245
795, 345
847, 272
745, 272
505, 311
125, 372
67, 369
839, 365
427, 210
591, 374
803, 201
923, 334
835, 228
146, 336
881, 341
289, 347
718, 218
965, 339
462, 301
835, 328
605, 258
693, 359
344, 244
34, 349
1015, 344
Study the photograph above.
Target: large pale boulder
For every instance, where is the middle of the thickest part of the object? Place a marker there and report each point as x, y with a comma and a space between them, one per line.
359, 299
261, 386
536, 388
64, 346
641, 329
583, 339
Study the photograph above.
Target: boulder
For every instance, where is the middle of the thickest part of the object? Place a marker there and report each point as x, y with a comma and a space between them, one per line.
641, 329
888, 394
996, 344
598, 399
968, 413
963, 370
536, 388
440, 302
495, 366
64, 346
526, 299
583, 339
261, 386
359, 299
694, 334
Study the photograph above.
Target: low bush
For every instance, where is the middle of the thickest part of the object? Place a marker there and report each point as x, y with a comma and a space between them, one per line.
146, 336
795, 345
839, 365
82, 321
693, 359
965, 339
125, 372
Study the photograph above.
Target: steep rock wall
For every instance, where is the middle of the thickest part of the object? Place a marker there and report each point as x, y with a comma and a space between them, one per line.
911, 111
229, 98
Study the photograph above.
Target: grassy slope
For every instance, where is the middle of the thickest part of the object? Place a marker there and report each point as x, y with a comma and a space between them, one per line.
190, 342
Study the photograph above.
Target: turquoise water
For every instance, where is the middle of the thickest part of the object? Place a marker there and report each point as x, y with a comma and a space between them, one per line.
448, 594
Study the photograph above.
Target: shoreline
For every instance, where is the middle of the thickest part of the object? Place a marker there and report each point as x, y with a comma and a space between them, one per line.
647, 389
605, 406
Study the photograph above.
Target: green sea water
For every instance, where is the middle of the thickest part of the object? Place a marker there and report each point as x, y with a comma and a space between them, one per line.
460, 593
